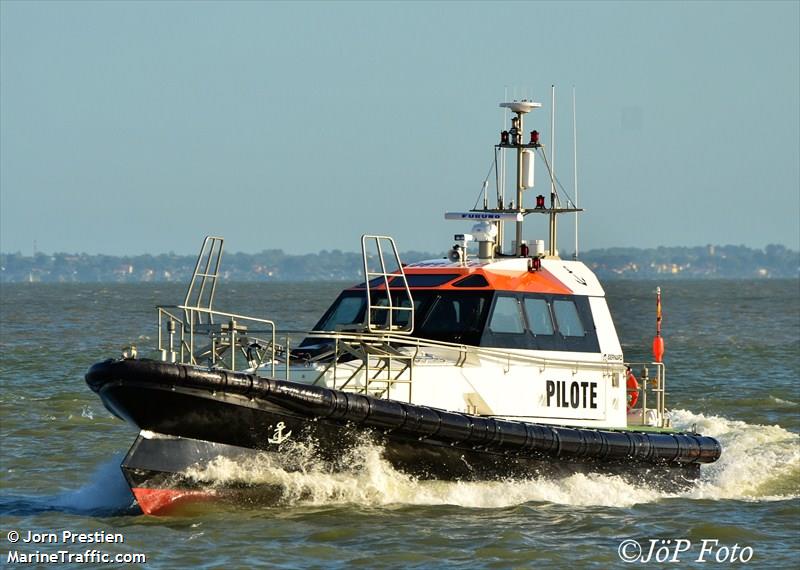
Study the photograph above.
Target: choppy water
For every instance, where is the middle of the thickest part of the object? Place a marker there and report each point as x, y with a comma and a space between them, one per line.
733, 356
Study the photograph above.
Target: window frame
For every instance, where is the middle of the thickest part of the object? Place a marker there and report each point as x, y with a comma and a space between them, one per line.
520, 315
550, 342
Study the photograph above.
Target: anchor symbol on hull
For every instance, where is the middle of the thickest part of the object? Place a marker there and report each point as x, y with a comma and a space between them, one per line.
279, 437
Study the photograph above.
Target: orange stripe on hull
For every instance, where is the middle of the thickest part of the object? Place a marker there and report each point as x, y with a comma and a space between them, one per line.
161, 501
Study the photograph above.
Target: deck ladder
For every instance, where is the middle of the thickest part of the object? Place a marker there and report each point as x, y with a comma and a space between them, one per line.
203, 285
384, 302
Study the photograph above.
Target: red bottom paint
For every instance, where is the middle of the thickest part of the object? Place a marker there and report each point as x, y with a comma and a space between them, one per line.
159, 501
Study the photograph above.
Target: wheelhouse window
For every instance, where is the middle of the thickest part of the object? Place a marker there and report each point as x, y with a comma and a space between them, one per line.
540, 321
381, 309
533, 321
474, 280
346, 311
413, 279
569, 322
450, 316
506, 316
453, 317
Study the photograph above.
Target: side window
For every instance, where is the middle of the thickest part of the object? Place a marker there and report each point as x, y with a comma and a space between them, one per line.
443, 316
539, 319
569, 323
401, 318
345, 313
379, 316
506, 316
470, 311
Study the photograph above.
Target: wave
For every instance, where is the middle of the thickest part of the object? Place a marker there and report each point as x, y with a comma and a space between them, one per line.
106, 493
758, 463
782, 402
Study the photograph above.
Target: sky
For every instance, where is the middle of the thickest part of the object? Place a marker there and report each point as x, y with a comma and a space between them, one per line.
140, 127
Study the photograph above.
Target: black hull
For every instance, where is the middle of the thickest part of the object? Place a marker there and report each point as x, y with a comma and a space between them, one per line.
217, 412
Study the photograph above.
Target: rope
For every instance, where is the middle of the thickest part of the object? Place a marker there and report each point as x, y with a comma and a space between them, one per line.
555, 179
486, 180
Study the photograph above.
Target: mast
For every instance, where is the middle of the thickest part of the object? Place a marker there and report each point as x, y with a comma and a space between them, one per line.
520, 188
501, 190
553, 232
575, 166
514, 138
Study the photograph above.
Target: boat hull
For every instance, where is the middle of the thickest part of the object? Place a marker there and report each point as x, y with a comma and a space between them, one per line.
189, 416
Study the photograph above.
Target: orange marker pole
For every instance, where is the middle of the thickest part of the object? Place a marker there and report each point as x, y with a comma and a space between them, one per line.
658, 340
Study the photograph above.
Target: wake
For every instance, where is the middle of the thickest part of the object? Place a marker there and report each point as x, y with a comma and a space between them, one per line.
105, 494
758, 463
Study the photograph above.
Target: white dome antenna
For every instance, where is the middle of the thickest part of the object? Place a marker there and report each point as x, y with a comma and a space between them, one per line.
521, 107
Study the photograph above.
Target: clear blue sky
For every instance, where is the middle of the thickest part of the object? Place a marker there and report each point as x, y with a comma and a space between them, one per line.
142, 126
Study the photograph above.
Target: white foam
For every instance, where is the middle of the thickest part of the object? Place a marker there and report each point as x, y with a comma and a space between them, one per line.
782, 401
106, 490
758, 463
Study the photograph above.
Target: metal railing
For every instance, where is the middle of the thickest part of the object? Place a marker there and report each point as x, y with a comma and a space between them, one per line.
655, 386
203, 286
226, 339
376, 366
386, 317
374, 361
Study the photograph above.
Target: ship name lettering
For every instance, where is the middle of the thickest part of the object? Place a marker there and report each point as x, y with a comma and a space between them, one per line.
579, 394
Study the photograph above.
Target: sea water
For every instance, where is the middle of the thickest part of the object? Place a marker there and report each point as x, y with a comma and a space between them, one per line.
733, 364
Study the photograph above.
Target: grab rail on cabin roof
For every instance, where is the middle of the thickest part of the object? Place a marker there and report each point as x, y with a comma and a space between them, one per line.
374, 309
203, 285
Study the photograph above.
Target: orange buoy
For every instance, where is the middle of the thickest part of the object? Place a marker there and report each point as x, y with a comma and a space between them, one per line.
632, 386
658, 348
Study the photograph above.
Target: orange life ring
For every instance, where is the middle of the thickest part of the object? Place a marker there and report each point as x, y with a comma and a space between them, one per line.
633, 389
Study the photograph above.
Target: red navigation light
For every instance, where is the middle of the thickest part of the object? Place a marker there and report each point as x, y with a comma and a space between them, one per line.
534, 137
540, 202
504, 137
523, 249
535, 264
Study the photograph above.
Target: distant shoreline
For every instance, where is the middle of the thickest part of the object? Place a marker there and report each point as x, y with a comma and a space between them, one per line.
701, 262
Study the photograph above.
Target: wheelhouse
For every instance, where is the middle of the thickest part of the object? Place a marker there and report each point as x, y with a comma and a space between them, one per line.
466, 309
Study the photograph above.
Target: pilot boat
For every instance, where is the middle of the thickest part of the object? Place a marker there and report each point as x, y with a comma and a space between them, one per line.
498, 361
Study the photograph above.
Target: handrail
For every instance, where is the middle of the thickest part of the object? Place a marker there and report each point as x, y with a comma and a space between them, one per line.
657, 388
504, 354
376, 351
192, 321
390, 308
463, 350
206, 270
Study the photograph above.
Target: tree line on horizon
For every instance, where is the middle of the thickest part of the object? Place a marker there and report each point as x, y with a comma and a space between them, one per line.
704, 262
